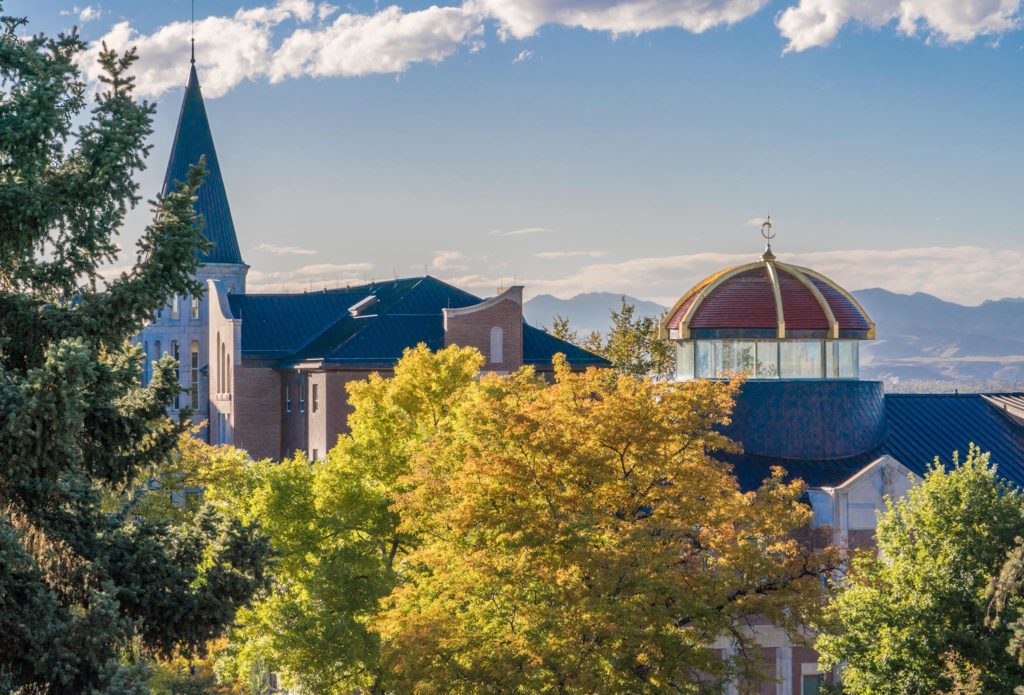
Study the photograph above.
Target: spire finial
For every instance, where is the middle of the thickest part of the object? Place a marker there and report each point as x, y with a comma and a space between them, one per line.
193, 32
768, 234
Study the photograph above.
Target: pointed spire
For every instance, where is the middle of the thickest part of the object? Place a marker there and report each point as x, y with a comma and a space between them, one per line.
192, 140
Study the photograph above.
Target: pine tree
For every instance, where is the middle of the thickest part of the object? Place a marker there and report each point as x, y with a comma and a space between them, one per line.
84, 585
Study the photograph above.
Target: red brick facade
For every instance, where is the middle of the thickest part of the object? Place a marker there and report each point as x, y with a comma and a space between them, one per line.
494, 327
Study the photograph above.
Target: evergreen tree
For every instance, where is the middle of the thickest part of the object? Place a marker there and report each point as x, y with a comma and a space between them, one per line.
84, 586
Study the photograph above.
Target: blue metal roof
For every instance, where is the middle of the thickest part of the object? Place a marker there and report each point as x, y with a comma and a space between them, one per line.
192, 140
291, 328
919, 428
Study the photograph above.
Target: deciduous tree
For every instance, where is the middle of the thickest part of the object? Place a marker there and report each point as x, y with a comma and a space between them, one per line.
580, 537
911, 618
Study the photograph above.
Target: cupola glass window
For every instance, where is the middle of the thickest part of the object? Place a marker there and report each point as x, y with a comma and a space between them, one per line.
768, 359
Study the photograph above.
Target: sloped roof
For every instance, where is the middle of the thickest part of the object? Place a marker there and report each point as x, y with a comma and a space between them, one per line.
291, 328
192, 140
920, 427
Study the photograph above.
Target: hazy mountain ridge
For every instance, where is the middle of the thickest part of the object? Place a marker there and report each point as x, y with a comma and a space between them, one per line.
921, 339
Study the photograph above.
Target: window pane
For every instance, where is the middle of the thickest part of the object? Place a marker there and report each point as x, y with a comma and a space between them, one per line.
745, 354
800, 359
812, 684
684, 360
767, 359
705, 359
847, 359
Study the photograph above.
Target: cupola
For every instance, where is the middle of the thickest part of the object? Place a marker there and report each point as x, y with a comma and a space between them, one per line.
768, 320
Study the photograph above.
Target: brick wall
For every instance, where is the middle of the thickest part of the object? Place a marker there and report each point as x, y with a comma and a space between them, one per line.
478, 325
257, 408
293, 424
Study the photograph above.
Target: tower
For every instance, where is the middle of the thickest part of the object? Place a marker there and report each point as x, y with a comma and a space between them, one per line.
181, 327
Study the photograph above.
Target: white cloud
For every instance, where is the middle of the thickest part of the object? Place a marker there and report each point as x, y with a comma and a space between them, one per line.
386, 42
293, 38
520, 232
555, 255
88, 13
449, 260
286, 250
242, 47
965, 274
813, 23
521, 18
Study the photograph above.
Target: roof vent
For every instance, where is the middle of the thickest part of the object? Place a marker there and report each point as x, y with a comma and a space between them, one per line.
365, 303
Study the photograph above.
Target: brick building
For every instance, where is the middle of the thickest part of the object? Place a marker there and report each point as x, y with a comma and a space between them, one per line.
267, 372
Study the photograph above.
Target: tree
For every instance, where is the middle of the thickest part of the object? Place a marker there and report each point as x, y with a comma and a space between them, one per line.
911, 619
579, 537
336, 533
633, 345
1006, 602
82, 586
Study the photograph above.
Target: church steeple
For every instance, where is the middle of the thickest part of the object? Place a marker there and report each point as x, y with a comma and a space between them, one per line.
192, 140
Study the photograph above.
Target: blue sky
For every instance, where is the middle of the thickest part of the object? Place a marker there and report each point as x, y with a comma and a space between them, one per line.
584, 145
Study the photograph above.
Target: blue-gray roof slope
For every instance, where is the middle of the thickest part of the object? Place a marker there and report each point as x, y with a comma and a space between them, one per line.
192, 140
291, 328
919, 428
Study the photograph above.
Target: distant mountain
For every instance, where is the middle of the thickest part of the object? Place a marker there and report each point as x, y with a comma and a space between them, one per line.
923, 338
587, 312
923, 341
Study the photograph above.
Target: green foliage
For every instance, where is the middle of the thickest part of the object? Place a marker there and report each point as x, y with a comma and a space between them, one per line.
79, 581
1005, 609
911, 619
336, 534
634, 344
502, 529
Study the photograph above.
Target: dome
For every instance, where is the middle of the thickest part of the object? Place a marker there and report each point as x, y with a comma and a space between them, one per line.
768, 320
768, 299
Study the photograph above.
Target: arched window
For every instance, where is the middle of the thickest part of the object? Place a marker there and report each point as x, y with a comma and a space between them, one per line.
194, 374
220, 366
497, 346
177, 357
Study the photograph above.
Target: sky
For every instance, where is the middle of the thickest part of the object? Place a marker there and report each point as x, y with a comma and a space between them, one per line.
596, 145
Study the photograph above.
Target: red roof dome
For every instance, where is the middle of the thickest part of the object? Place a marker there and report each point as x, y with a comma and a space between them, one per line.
768, 299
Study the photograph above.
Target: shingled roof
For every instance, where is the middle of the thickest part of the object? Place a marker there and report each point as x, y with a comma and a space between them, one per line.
286, 329
919, 428
192, 140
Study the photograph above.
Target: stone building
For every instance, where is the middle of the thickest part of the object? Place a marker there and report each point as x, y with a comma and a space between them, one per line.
796, 335
267, 372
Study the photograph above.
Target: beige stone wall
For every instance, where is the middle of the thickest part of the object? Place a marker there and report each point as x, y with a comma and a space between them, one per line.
316, 414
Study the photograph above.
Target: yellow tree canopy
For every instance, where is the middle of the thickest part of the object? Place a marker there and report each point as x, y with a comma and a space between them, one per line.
580, 537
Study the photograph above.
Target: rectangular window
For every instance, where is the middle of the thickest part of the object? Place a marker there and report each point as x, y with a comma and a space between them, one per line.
316, 454
194, 376
316, 397
175, 307
302, 398
801, 359
195, 308
811, 684
287, 398
174, 354
767, 359
684, 360
705, 359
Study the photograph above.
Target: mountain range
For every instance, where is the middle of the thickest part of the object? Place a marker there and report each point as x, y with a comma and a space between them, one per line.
924, 343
